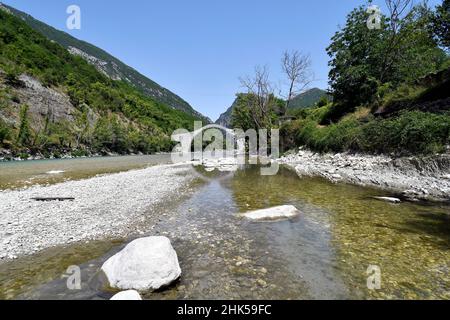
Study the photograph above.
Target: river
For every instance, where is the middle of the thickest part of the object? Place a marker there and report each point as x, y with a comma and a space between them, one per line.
322, 254
19, 174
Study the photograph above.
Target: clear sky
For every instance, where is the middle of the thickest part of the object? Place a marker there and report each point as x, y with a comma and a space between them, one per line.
199, 48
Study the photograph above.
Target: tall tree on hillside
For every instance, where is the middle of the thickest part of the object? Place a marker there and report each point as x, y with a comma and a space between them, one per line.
261, 99
24, 136
364, 60
297, 68
355, 53
398, 9
417, 53
441, 24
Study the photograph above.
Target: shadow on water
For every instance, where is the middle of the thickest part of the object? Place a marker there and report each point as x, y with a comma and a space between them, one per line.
436, 225
322, 254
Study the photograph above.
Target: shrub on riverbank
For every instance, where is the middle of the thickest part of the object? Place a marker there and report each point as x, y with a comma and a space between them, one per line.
411, 132
4, 132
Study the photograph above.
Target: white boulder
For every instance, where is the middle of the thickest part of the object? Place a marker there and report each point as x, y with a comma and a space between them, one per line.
145, 264
388, 199
275, 213
127, 295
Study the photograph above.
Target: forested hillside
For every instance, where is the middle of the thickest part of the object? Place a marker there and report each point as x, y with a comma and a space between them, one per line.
53, 102
308, 98
109, 65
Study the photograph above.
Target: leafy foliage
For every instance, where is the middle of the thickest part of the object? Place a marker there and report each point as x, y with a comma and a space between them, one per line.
364, 60
245, 114
441, 24
390, 89
411, 132
4, 132
24, 136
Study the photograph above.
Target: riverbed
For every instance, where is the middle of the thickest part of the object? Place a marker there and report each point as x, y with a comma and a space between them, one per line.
322, 254
23, 174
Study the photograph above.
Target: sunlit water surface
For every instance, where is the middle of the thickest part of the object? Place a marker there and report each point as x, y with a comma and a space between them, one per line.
19, 174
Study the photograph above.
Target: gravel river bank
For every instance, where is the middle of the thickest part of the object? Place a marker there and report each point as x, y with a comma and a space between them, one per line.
105, 206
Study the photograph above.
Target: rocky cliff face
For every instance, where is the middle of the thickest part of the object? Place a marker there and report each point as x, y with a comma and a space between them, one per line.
225, 118
43, 102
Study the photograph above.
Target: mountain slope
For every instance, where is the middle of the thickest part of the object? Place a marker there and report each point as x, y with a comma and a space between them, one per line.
52, 102
108, 64
307, 98
225, 118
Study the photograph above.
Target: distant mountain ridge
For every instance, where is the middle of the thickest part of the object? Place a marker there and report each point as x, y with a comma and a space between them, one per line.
107, 64
307, 98
303, 100
225, 118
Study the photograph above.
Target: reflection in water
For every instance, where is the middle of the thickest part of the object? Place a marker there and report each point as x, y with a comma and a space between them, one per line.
324, 253
409, 242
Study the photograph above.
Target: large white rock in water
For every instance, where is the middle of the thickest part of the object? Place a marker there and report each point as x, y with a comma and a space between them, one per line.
127, 295
275, 213
145, 264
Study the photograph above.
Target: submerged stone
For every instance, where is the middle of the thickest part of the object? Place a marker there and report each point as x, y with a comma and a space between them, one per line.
388, 199
275, 213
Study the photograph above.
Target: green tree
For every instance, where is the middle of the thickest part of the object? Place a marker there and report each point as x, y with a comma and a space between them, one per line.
24, 136
12, 76
363, 59
246, 113
417, 54
356, 53
103, 134
83, 131
240, 115
119, 141
441, 24
4, 132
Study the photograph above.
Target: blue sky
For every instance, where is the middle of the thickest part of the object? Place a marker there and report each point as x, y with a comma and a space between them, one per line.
199, 48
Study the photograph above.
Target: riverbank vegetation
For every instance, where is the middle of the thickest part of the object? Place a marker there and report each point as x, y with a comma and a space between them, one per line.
108, 115
389, 87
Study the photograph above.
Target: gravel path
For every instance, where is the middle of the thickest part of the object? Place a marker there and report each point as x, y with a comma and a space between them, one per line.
414, 178
104, 206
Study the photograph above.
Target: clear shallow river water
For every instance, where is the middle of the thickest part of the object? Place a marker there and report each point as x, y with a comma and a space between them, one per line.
322, 254
18, 174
